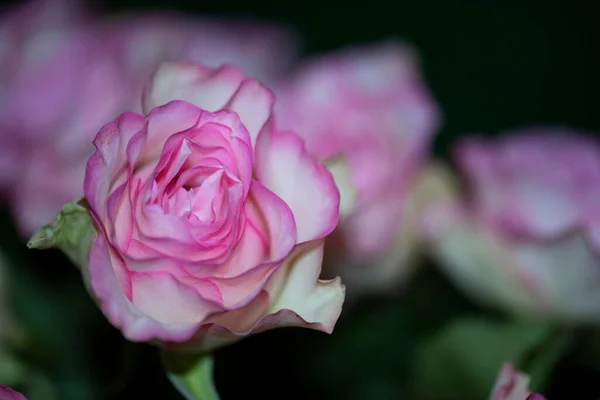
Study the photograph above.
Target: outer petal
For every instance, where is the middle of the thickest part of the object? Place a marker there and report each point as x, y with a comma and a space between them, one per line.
225, 328
254, 104
160, 295
207, 88
299, 297
212, 90
294, 297
110, 159
135, 325
285, 167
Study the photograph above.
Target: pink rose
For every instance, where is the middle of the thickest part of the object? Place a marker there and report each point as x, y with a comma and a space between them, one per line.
51, 109
7, 393
263, 51
513, 385
210, 223
29, 34
526, 236
368, 115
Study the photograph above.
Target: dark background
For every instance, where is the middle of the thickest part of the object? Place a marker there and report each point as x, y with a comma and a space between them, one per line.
492, 65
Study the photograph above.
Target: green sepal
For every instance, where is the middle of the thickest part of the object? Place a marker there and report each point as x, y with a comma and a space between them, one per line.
72, 231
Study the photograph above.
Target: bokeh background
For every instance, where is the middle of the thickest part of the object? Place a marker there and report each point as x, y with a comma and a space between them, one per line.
493, 66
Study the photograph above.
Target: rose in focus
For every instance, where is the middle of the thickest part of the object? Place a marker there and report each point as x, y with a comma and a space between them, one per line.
51, 109
525, 238
368, 115
210, 223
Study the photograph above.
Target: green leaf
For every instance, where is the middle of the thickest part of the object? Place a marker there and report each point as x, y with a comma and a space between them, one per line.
72, 232
463, 359
191, 374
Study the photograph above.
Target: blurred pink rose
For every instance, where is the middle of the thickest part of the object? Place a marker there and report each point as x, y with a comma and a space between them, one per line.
513, 385
65, 74
211, 224
368, 114
263, 51
526, 238
7, 393
58, 84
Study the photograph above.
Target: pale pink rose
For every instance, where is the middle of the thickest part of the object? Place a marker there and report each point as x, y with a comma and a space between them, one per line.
526, 237
58, 84
7, 393
513, 385
368, 115
263, 51
210, 223
28, 34
64, 74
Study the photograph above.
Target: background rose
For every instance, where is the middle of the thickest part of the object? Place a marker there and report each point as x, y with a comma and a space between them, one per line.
210, 223
51, 108
7, 393
367, 113
513, 385
525, 239
263, 51
34, 36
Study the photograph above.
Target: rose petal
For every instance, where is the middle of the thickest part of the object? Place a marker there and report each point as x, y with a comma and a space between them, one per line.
161, 296
213, 90
295, 287
303, 301
254, 104
226, 327
135, 325
208, 88
285, 167
107, 164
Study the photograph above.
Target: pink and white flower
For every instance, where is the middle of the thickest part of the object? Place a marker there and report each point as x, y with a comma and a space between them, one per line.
526, 237
50, 108
210, 223
368, 115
